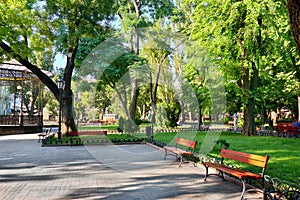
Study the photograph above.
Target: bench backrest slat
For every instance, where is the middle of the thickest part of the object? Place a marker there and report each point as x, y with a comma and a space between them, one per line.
187, 143
257, 160
286, 127
74, 133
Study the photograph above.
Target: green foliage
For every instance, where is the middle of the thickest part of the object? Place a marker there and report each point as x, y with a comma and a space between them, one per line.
24, 30
173, 111
121, 124
220, 144
103, 98
171, 107
140, 14
118, 68
86, 45
252, 43
127, 126
77, 19
167, 114
161, 119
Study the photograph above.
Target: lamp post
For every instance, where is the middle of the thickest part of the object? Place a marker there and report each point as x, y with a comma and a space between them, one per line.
60, 85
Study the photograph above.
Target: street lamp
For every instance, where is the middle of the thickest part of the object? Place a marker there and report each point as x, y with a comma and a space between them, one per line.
60, 84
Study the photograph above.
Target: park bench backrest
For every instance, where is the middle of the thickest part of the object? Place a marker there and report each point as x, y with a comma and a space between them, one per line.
256, 160
75, 133
188, 143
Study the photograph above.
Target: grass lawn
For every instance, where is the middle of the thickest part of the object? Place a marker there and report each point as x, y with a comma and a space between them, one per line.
284, 153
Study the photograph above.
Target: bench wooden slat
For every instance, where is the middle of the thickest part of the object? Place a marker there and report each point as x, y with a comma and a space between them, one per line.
233, 171
211, 164
75, 133
238, 173
252, 159
178, 151
185, 142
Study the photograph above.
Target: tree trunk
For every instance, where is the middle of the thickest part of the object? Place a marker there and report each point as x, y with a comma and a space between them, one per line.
246, 125
199, 114
134, 82
134, 98
68, 112
68, 97
182, 112
293, 7
249, 123
249, 112
123, 101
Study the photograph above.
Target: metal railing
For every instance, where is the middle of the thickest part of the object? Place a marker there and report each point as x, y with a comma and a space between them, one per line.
21, 120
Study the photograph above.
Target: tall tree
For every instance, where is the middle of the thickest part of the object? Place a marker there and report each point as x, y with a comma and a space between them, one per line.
72, 22
62, 22
241, 38
156, 49
134, 15
196, 76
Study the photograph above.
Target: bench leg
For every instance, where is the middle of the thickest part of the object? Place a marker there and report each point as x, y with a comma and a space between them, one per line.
255, 190
206, 174
165, 154
244, 189
222, 175
180, 161
41, 138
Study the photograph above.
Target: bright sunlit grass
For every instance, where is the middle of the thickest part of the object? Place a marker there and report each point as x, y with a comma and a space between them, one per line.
284, 153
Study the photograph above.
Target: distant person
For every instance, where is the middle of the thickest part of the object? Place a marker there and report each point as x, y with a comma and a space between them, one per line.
270, 121
235, 121
273, 117
296, 123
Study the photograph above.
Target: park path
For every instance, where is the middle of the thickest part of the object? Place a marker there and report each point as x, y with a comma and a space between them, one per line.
29, 171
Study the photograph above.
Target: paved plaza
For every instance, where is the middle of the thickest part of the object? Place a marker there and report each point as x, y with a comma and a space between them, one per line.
29, 171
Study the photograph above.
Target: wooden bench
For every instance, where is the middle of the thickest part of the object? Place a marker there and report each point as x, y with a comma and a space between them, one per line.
74, 135
44, 134
251, 159
179, 147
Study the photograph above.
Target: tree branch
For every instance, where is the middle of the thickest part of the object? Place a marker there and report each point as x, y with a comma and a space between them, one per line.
37, 71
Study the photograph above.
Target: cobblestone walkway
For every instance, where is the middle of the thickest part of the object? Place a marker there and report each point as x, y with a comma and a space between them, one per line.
29, 171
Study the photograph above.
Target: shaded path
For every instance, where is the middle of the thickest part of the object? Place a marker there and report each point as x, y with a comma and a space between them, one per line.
29, 171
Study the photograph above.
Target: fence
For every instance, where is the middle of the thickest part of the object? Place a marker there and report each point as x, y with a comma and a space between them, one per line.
21, 120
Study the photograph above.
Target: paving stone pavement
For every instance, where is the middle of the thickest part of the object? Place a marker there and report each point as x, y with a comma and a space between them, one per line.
29, 171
